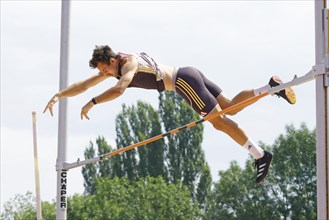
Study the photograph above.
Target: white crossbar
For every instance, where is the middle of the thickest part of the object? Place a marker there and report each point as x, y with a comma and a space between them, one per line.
316, 70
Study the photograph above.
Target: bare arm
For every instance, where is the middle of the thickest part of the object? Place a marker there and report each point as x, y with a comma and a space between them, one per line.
81, 86
74, 90
116, 90
129, 69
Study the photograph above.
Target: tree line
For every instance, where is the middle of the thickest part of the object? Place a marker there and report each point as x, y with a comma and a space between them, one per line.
170, 178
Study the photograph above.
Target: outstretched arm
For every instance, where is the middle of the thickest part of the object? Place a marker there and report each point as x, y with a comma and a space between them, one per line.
109, 94
74, 90
130, 68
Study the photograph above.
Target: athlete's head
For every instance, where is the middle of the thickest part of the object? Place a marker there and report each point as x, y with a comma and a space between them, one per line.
102, 54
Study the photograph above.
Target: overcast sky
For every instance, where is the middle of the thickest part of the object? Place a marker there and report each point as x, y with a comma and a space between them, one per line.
238, 45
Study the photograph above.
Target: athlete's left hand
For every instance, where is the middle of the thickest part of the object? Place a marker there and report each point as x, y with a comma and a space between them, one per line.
85, 109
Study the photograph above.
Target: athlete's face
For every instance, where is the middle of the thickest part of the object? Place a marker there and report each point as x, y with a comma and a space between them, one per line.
108, 69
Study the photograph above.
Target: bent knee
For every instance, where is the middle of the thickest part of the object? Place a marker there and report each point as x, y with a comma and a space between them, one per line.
219, 123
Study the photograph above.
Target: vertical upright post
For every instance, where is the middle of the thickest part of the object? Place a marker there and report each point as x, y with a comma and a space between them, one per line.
61, 199
321, 58
36, 167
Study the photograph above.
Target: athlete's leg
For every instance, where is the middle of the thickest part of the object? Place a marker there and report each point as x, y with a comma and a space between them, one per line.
288, 94
262, 158
228, 126
225, 102
200, 92
191, 84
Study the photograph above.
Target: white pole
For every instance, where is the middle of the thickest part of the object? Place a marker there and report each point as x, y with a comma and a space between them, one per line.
36, 167
61, 199
321, 34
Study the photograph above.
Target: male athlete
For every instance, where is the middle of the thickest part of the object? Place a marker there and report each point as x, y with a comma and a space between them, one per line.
205, 97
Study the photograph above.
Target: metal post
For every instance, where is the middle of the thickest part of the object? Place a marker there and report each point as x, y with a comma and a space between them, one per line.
321, 32
61, 199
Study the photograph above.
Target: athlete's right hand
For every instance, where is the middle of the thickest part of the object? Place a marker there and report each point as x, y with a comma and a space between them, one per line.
50, 104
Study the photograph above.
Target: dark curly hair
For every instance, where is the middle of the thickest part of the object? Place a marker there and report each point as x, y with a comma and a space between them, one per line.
102, 54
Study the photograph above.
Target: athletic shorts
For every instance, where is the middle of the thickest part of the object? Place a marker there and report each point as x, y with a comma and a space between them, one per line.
197, 90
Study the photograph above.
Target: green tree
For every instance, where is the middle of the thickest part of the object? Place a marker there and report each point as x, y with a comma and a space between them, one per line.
294, 173
117, 198
89, 171
236, 196
48, 210
124, 138
148, 198
135, 124
288, 193
22, 207
104, 166
204, 186
178, 159
185, 157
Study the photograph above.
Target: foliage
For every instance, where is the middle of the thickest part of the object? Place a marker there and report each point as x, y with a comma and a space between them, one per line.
135, 124
177, 159
148, 198
89, 171
185, 157
22, 207
294, 174
103, 168
288, 193
117, 198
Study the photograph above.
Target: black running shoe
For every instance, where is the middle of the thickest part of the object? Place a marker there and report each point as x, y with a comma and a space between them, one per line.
287, 93
262, 165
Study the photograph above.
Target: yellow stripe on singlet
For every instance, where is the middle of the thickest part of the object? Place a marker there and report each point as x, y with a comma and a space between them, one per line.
146, 69
197, 100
